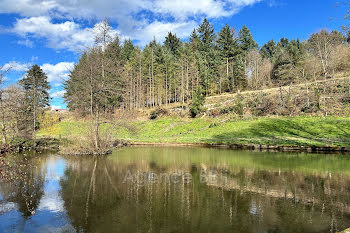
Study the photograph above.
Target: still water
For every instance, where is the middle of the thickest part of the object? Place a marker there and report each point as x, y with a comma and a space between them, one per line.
151, 189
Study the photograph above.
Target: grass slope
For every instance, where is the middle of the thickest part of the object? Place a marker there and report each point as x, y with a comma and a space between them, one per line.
307, 131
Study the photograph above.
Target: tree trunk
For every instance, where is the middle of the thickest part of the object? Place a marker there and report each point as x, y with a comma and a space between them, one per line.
3, 130
166, 86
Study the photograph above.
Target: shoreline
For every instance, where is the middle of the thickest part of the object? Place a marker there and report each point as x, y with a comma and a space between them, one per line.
231, 146
27, 145
251, 147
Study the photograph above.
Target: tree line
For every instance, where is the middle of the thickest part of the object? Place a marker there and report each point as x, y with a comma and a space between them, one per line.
114, 75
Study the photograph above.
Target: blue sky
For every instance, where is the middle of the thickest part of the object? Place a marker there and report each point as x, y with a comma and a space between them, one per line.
52, 33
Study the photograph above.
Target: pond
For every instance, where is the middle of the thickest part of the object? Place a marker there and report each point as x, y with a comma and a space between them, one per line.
163, 189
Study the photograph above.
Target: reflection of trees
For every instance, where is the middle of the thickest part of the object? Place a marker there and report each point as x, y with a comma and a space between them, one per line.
251, 201
318, 198
21, 182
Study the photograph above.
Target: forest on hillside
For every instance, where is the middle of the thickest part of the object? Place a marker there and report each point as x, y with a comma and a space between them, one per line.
116, 74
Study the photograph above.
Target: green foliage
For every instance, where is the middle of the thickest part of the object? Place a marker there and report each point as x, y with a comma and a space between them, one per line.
246, 40
239, 78
127, 51
197, 102
89, 89
173, 43
268, 50
208, 58
36, 87
206, 35
160, 74
288, 55
238, 106
226, 42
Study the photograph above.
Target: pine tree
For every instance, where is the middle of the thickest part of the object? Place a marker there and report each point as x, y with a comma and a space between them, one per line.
246, 43
127, 50
197, 102
288, 55
36, 89
208, 59
228, 48
239, 81
194, 41
226, 42
206, 35
78, 93
246, 40
173, 43
268, 50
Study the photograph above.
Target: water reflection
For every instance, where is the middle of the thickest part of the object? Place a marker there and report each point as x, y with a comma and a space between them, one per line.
255, 192
29, 186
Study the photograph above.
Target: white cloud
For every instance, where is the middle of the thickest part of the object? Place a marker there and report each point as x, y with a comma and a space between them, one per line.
59, 72
26, 42
137, 19
159, 30
55, 72
58, 94
183, 8
16, 66
28, 7
66, 35
122, 9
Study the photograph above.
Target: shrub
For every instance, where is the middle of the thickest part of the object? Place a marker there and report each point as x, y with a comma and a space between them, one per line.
197, 103
157, 113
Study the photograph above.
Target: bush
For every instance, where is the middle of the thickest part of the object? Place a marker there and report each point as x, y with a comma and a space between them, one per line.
157, 113
237, 108
197, 103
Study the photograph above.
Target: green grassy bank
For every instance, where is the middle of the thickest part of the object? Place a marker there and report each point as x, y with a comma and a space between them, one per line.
287, 131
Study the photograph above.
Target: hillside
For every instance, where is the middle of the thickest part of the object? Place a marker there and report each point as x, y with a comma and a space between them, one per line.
291, 131
311, 115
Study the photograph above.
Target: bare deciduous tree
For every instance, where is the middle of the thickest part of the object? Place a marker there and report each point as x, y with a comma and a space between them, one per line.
322, 44
3, 72
259, 70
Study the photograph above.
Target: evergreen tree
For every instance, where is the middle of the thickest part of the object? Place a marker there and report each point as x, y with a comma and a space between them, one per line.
229, 49
208, 60
127, 50
77, 94
283, 43
206, 35
288, 55
116, 56
197, 102
173, 43
239, 80
246, 43
194, 41
36, 89
268, 50
114, 75
246, 40
226, 42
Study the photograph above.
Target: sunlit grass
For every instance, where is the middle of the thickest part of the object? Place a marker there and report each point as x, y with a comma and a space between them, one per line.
308, 131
